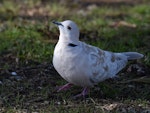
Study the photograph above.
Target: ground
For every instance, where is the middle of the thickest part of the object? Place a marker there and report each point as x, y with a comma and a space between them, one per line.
28, 80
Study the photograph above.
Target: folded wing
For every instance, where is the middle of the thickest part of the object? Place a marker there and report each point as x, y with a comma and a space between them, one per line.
104, 64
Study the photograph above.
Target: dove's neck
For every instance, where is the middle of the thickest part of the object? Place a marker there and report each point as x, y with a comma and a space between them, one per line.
68, 39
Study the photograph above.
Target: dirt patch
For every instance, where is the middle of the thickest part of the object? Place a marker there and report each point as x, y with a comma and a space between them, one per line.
35, 84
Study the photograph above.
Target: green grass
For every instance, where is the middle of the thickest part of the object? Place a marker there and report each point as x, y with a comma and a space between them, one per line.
27, 42
33, 39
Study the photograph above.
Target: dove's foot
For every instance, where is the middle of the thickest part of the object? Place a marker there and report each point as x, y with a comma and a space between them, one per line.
83, 93
64, 87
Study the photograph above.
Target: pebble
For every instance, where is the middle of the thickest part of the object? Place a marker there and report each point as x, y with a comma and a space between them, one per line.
14, 73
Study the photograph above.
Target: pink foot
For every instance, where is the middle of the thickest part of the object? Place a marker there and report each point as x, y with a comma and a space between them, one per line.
64, 87
83, 93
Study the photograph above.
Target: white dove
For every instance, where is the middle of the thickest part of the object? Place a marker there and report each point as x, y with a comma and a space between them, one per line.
82, 64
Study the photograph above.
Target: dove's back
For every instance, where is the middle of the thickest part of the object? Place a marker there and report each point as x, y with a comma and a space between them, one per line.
106, 64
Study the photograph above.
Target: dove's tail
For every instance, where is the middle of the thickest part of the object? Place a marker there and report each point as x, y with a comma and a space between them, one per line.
133, 55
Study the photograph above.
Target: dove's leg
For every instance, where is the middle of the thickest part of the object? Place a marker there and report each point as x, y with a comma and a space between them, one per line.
64, 87
83, 93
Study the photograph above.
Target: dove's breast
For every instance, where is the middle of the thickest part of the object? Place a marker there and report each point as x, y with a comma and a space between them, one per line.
72, 65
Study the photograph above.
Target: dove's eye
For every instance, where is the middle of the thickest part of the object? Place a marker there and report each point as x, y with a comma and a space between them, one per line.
68, 27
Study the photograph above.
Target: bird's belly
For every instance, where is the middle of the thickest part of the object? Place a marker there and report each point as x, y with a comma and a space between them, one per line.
72, 70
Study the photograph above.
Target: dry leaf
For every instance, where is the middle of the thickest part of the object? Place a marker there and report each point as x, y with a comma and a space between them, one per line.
109, 107
122, 23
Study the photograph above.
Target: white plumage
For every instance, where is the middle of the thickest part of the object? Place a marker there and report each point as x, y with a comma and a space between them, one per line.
82, 64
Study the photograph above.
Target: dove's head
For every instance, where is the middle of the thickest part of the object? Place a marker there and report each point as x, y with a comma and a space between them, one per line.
68, 30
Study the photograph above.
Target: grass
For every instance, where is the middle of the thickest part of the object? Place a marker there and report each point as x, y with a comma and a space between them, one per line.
28, 38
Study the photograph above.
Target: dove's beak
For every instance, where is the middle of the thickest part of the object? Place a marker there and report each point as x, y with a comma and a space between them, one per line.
57, 23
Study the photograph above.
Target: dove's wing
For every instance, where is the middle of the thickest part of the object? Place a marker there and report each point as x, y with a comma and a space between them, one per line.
104, 64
